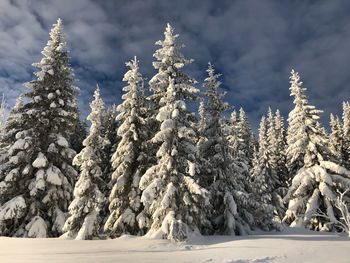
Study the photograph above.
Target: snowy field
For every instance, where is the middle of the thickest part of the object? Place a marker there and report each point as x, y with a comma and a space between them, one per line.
291, 245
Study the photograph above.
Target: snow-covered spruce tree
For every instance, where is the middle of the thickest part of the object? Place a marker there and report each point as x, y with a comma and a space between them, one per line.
220, 173
264, 178
212, 130
129, 161
84, 219
318, 181
336, 143
176, 203
39, 178
302, 120
346, 133
275, 162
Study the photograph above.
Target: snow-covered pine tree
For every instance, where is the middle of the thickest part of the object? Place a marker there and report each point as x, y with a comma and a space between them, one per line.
264, 177
276, 162
38, 186
171, 195
129, 161
336, 139
84, 211
346, 133
300, 121
212, 130
318, 181
220, 173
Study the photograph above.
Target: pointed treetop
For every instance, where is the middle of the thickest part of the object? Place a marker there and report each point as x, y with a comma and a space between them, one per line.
133, 64
59, 21
211, 72
169, 36
97, 91
133, 75
296, 88
57, 36
97, 105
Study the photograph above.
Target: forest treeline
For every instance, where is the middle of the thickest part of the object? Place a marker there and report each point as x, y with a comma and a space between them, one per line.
150, 166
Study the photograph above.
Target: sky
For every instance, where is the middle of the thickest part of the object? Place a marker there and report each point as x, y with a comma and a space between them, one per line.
253, 44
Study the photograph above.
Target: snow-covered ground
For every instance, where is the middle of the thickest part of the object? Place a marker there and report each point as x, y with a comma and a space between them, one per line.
291, 245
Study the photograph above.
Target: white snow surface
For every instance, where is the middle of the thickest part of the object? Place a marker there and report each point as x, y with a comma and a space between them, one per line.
290, 245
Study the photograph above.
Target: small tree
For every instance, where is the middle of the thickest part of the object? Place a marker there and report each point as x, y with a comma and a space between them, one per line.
84, 220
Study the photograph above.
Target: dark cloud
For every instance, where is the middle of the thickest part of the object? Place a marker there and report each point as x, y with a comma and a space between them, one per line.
254, 44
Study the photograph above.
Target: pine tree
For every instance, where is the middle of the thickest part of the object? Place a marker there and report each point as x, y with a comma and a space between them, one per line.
84, 211
302, 121
276, 162
129, 161
39, 176
171, 194
264, 177
220, 172
317, 181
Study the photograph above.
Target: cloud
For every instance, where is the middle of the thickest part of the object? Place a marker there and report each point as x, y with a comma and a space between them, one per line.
253, 44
